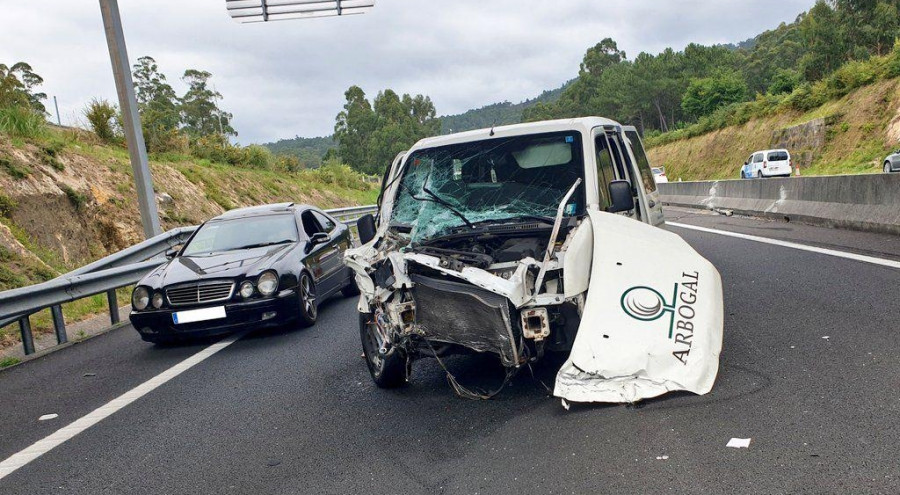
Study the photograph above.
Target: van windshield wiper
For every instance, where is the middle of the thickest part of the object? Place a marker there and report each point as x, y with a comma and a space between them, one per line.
436, 199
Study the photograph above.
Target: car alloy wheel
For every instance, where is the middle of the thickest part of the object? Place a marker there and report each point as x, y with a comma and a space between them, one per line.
887, 167
309, 310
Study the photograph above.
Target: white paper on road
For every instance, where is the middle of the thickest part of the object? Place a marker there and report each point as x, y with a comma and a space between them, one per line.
653, 318
48, 416
739, 443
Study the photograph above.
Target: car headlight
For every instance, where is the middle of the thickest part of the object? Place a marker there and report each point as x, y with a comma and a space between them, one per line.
140, 298
157, 300
246, 289
267, 283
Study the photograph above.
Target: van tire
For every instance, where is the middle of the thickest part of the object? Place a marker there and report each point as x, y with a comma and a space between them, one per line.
388, 371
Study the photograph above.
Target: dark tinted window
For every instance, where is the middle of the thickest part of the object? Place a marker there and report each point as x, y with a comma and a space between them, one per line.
324, 221
310, 224
758, 158
778, 156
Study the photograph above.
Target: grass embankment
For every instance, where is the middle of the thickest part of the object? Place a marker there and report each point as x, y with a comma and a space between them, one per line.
860, 102
66, 199
863, 127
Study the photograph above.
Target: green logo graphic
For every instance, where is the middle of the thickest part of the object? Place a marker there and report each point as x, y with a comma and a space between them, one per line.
647, 304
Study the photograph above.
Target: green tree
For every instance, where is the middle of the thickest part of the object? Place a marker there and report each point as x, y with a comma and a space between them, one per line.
370, 135
17, 87
705, 95
353, 128
157, 104
200, 112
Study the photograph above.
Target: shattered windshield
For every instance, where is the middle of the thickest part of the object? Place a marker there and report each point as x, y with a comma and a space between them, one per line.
489, 180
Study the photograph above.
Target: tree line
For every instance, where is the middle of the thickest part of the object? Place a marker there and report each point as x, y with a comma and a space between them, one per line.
673, 89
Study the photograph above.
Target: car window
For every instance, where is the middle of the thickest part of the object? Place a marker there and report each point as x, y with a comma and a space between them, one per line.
778, 156
310, 224
221, 235
324, 221
757, 158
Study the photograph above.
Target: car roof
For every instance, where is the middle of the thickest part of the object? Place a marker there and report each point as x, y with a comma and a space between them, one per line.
769, 151
253, 211
561, 125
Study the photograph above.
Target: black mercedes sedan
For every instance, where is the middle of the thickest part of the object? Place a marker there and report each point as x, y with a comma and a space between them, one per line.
245, 269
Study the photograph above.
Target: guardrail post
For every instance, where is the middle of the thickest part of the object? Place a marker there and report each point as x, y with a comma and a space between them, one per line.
27, 338
113, 306
59, 324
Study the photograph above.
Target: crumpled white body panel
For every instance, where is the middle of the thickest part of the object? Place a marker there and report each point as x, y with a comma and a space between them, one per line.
652, 321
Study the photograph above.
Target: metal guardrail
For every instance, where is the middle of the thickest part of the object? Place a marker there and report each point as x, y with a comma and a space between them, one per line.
117, 270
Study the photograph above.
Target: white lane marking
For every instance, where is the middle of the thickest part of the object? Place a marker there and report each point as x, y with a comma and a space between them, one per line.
793, 245
41, 447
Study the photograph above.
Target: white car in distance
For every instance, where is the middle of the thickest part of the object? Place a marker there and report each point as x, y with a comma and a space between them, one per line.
768, 163
659, 175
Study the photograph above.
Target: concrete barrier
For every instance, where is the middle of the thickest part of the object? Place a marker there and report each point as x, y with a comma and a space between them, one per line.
859, 202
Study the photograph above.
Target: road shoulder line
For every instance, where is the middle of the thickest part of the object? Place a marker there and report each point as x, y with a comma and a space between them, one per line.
39, 448
793, 245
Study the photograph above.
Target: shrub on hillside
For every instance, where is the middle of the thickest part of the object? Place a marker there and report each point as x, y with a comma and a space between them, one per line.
22, 121
339, 174
103, 119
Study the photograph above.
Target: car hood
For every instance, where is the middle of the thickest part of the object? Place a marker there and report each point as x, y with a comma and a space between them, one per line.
229, 264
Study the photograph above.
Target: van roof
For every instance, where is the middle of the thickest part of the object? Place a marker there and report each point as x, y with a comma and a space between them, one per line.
579, 124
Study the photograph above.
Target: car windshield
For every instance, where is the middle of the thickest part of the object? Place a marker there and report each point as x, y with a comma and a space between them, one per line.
778, 156
489, 180
217, 236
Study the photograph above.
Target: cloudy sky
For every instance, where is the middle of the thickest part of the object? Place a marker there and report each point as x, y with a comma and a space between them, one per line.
287, 78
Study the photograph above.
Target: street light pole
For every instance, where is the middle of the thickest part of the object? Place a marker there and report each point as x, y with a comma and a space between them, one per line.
143, 182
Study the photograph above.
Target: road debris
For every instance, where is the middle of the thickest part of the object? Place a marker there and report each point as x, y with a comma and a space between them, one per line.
48, 416
739, 443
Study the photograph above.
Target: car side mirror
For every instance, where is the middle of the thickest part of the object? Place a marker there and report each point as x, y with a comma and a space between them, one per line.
620, 196
366, 229
173, 251
316, 239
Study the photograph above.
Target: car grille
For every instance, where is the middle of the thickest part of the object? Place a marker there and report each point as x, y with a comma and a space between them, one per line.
198, 293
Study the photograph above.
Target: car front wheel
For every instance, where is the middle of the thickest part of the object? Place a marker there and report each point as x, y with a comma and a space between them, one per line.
887, 167
306, 293
388, 370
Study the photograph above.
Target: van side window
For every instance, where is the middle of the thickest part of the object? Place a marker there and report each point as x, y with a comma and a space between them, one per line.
758, 158
605, 172
643, 164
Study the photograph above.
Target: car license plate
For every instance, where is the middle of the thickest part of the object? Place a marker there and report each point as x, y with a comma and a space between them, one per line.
198, 315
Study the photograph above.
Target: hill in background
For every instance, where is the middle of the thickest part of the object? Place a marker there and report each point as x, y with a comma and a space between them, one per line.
311, 151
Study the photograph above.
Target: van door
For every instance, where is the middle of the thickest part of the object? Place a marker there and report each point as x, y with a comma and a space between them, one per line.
643, 173
610, 166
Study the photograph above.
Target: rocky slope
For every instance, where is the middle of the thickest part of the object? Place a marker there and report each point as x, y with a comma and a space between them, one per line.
850, 135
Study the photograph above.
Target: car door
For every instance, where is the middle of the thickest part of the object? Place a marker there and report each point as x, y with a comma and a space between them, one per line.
318, 256
757, 164
339, 241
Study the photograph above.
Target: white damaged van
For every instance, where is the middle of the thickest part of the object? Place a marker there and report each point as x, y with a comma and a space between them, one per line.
534, 238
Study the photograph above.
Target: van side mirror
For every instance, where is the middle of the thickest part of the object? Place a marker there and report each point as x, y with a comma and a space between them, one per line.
365, 227
620, 196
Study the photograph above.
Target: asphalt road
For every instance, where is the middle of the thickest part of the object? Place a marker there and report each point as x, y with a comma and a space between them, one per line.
810, 371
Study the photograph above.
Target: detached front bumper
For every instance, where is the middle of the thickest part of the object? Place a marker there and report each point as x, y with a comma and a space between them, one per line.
158, 325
